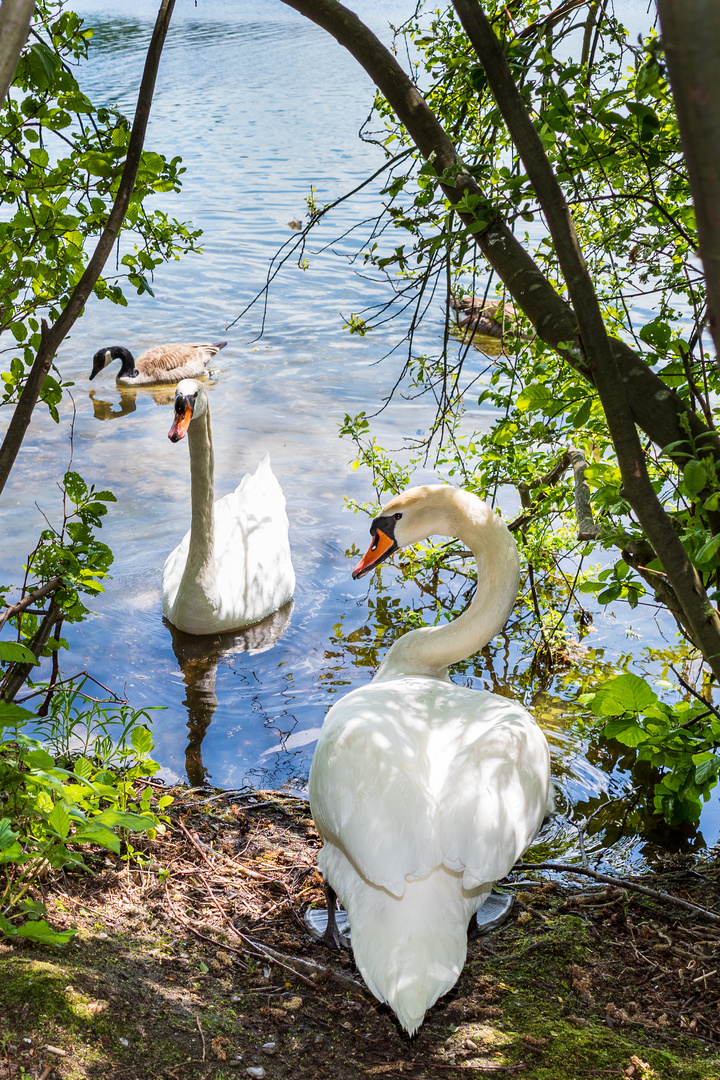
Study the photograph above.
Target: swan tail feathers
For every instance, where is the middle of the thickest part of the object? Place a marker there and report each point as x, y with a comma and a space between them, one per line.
409, 950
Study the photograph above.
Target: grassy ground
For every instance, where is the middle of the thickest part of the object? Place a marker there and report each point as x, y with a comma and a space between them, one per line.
199, 967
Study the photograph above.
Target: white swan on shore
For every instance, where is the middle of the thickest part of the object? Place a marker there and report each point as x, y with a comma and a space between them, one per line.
233, 568
425, 792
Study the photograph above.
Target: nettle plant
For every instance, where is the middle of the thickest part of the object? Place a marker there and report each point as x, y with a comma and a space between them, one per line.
77, 781
602, 107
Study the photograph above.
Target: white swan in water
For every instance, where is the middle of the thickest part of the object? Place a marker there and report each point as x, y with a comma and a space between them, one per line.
425, 792
233, 568
161, 364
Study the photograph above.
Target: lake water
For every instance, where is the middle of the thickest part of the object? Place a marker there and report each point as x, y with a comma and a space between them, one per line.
261, 108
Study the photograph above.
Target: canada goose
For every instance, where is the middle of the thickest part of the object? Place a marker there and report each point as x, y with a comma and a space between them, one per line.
480, 317
425, 792
233, 568
161, 364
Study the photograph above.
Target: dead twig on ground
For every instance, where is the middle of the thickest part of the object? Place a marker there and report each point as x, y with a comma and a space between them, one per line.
656, 894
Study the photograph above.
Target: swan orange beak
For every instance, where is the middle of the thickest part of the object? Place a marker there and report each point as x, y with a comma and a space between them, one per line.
180, 425
381, 547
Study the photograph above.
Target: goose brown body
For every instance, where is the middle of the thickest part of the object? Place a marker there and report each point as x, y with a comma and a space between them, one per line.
161, 364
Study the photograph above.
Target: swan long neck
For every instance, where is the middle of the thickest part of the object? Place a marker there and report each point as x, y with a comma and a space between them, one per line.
200, 559
432, 649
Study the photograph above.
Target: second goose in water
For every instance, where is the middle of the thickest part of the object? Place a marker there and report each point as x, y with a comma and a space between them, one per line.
233, 568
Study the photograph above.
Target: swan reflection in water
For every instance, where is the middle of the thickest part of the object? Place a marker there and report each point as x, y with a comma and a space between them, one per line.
126, 401
198, 656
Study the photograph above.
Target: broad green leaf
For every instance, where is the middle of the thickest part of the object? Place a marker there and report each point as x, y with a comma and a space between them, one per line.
534, 398
141, 739
59, 820
16, 653
695, 477
8, 836
118, 819
41, 932
39, 759
12, 715
623, 694
626, 731
95, 833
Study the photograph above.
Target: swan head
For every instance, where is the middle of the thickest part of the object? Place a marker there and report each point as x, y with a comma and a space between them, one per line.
190, 403
407, 518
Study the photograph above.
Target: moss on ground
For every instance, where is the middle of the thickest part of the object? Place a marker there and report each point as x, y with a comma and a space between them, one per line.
157, 983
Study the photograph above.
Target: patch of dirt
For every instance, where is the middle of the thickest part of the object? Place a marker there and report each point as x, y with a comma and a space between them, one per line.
198, 966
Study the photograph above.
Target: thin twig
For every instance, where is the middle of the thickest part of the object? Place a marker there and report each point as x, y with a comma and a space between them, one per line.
656, 894
199, 1027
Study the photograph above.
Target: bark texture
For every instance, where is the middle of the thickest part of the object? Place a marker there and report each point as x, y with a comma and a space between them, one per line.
691, 38
15, 16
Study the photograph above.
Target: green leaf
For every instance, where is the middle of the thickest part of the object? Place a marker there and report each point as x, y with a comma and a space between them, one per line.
623, 694
59, 820
7, 834
695, 477
96, 833
626, 730
12, 715
534, 398
706, 770
117, 819
16, 653
39, 759
708, 551
38, 930
141, 739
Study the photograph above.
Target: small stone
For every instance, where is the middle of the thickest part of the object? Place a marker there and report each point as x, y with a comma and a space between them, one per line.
292, 1003
470, 1045
256, 1071
123, 1042
269, 1048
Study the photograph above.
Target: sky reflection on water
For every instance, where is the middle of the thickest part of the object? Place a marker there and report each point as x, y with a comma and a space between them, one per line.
259, 110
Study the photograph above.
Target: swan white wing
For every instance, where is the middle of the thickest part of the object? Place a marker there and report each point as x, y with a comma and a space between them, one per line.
496, 795
369, 789
252, 552
253, 572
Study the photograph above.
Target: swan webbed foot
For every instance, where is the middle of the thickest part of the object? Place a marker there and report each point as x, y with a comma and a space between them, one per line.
492, 914
330, 926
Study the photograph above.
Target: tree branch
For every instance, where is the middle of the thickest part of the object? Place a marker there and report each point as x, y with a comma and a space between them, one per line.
684, 578
53, 337
657, 409
15, 609
691, 38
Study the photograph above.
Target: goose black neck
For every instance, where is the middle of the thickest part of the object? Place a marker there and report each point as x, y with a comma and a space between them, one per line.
128, 369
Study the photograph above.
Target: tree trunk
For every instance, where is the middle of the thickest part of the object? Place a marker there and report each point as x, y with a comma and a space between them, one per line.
612, 367
15, 16
691, 38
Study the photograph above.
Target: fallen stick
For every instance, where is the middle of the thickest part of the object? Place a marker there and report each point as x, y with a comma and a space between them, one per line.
623, 883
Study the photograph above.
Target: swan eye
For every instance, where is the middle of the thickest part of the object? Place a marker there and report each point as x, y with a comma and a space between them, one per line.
398, 516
